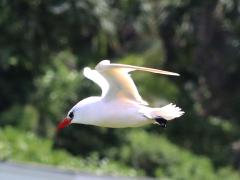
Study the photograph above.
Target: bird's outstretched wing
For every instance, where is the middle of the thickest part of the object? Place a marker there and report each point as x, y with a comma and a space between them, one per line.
105, 64
96, 77
119, 83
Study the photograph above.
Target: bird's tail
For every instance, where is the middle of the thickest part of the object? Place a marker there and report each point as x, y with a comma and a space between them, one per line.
167, 112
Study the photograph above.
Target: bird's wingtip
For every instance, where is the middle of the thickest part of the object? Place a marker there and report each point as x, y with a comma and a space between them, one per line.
86, 71
172, 74
104, 62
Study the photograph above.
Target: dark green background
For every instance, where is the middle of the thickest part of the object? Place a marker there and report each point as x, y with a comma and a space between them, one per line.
45, 44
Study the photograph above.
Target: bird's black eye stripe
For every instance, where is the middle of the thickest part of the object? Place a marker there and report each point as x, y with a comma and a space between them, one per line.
71, 115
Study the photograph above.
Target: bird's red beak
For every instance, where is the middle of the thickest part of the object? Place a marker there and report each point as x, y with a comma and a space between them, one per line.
65, 122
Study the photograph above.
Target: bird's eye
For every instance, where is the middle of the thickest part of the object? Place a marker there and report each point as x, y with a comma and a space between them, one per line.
71, 115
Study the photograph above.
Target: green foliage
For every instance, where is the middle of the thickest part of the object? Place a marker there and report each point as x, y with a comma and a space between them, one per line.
20, 146
57, 86
23, 117
158, 157
45, 44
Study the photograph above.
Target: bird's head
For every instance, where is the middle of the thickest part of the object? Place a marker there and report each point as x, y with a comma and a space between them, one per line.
79, 113
67, 120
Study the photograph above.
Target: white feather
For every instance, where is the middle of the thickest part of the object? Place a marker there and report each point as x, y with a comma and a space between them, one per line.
168, 112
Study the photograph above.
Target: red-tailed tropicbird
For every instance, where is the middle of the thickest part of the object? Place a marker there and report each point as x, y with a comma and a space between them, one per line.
120, 104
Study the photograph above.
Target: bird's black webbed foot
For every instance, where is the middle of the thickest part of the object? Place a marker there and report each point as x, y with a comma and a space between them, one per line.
161, 122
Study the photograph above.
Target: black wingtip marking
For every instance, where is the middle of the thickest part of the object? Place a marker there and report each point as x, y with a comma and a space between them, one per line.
161, 122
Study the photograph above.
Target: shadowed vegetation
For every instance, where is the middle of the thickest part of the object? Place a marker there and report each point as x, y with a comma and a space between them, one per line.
45, 44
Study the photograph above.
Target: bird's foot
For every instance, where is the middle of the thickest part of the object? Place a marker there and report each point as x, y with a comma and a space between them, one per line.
161, 122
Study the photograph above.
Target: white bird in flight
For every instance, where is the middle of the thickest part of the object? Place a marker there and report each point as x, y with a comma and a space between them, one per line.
120, 104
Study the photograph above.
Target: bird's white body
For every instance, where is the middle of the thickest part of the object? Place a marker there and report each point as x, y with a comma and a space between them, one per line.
113, 114
120, 104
